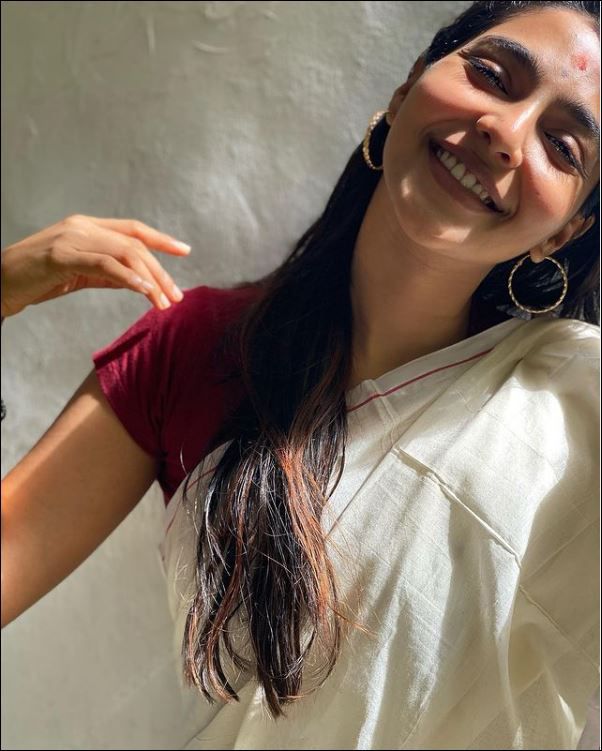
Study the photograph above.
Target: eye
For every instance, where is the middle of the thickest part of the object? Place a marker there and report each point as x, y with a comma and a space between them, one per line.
565, 151
487, 72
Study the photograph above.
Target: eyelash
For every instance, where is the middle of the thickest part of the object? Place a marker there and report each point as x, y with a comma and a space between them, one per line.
493, 77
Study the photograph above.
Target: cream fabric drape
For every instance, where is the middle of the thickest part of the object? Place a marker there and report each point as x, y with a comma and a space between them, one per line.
465, 534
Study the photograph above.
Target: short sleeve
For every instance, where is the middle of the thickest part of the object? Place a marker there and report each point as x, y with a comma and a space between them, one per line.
129, 373
163, 380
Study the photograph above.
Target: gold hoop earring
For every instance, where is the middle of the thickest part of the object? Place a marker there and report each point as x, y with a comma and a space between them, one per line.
366, 145
565, 286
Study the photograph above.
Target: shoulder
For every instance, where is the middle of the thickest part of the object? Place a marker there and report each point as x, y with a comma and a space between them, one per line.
193, 325
558, 377
208, 305
547, 345
200, 318
218, 300
543, 367
539, 393
568, 335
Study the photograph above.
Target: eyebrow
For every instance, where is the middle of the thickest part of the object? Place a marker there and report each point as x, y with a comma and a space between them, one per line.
529, 63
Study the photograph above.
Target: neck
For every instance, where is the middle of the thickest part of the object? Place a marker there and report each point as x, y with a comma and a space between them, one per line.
407, 301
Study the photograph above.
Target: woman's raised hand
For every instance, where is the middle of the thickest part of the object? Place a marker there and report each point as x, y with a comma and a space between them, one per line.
83, 251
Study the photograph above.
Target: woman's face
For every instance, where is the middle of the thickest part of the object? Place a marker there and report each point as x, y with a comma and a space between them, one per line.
517, 134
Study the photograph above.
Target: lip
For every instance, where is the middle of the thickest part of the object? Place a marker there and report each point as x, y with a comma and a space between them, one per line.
473, 165
448, 182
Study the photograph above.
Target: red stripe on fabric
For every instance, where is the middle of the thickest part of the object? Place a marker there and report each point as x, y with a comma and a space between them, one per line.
417, 378
378, 395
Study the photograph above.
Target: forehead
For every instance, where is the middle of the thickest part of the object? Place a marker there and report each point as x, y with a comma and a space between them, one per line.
566, 46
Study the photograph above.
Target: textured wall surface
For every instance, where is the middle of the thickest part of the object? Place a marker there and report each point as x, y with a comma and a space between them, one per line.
225, 124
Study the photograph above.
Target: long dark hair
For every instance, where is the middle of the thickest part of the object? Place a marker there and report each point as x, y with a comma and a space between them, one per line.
262, 552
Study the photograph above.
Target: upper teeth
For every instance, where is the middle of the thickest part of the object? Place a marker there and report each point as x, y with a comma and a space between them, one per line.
459, 171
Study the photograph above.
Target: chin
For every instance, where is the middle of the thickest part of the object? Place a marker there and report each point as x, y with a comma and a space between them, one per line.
428, 229
423, 222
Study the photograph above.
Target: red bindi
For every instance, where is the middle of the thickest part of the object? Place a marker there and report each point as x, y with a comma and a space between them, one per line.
581, 61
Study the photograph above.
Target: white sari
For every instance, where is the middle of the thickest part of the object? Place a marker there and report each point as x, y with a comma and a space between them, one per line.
465, 535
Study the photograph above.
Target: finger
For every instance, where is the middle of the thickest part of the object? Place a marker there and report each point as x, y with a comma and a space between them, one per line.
143, 278
162, 278
148, 235
133, 253
108, 270
87, 234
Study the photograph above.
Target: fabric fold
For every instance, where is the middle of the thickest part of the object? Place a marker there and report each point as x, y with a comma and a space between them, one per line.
465, 535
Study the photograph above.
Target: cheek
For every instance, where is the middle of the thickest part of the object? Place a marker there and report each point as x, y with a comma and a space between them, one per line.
541, 214
547, 198
445, 95
540, 199
431, 107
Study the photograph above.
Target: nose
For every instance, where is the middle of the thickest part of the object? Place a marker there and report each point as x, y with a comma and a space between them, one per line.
504, 135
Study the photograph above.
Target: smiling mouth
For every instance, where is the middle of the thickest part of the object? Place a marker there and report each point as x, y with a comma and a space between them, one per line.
463, 176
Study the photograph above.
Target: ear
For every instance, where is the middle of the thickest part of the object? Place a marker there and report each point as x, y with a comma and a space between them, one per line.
400, 93
573, 229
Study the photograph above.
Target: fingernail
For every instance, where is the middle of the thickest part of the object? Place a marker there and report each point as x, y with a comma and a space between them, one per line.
164, 301
146, 286
177, 292
182, 246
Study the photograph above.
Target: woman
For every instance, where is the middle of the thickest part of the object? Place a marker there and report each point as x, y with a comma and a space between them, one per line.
394, 514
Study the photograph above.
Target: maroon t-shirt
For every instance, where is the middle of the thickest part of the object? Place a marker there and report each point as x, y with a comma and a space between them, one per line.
160, 377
